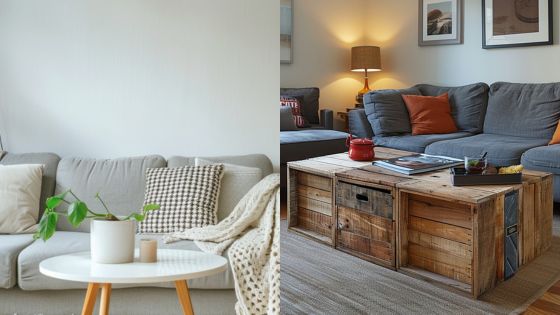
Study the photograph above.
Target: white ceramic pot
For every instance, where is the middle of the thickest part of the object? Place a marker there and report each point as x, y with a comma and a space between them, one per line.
112, 242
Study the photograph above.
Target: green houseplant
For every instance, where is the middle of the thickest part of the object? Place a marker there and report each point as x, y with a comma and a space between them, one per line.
112, 237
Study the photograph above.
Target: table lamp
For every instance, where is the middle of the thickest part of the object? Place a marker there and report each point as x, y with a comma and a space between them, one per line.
364, 59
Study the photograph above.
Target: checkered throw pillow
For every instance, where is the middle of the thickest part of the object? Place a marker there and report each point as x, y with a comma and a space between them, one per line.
188, 197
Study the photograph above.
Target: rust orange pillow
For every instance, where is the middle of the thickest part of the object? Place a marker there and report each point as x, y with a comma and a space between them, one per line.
556, 137
430, 114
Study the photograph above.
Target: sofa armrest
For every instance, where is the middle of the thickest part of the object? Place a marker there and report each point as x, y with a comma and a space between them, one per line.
358, 124
327, 117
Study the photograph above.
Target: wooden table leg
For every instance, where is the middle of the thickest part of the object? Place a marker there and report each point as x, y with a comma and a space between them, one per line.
105, 299
184, 296
91, 297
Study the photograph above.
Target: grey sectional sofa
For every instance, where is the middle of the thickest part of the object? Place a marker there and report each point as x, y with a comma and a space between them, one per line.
512, 122
23, 290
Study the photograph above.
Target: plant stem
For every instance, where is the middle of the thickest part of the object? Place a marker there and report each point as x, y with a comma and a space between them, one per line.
104, 205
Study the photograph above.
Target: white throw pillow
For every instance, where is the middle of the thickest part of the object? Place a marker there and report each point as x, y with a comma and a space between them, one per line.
20, 191
237, 181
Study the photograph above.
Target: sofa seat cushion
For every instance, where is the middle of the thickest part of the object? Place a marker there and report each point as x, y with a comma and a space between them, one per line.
29, 277
415, 143
311, 136
502, 150
120, 182
546, 158
305, 144
10, 247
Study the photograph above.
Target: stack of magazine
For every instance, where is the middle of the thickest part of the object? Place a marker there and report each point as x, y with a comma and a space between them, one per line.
418, 163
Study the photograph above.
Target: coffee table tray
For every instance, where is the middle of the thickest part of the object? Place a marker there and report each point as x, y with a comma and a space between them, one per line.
460, 177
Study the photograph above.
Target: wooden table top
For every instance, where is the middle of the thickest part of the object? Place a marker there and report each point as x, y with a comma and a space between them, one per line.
432, 183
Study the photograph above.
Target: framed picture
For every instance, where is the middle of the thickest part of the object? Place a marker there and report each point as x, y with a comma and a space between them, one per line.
516, 23
286, 30
440, 22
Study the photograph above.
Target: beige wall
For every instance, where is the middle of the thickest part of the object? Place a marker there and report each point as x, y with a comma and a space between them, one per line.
105, 78
393, 25
324, 32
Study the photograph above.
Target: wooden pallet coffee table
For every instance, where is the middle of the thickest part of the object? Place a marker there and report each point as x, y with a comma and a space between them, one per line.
466, 238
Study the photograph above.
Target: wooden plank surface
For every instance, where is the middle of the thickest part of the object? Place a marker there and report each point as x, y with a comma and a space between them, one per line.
314, 193
499, 236
440, 268
528, 224
450, 232
446, 191
440, 244
315, 181
315, 221
365, 176
484, 250
374, 201
440, 211
314, 205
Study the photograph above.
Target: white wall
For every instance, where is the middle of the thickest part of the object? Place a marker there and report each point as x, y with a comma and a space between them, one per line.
104, 78
393, 25
324, 32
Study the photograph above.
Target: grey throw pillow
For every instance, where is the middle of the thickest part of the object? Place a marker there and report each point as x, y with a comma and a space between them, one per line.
287, 122
386, 111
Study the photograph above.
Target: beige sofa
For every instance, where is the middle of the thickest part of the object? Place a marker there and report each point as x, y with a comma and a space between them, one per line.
23, 290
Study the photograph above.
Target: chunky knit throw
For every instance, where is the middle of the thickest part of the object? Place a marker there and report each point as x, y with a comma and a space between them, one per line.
253, 232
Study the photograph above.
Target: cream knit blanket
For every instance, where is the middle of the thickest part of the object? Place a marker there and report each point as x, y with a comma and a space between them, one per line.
253, 231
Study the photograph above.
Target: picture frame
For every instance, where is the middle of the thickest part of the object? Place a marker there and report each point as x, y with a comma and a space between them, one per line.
286, 31
518, 23
440, 22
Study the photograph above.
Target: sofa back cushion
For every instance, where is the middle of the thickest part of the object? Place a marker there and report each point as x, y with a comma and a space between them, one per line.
527, 110
386, 111
310, 105
50, 163
468, 103
120, 182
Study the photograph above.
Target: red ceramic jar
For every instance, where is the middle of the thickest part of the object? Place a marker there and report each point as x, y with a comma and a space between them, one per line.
360, 149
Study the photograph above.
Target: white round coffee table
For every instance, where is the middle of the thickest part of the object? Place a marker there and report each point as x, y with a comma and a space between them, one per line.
172, 265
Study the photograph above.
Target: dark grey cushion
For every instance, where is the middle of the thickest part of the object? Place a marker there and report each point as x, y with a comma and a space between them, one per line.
526, 110
310, 106
468, 103
299, 145
502, 150
359, 124
416, 143
386, 111
287, 122
49, 160
546, 159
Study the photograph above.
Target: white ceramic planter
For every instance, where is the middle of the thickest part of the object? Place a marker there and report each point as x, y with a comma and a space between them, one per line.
112, 242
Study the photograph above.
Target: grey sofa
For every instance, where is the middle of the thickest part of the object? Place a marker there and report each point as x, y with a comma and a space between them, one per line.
512, 122
319, 139
23, 290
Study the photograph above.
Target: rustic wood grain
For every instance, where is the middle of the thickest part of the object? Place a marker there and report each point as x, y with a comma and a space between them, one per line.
315, 221
528, 226
484, 249
375, 201
499, 236
440, 244
440, 211
310, 180
447, 231
314, 205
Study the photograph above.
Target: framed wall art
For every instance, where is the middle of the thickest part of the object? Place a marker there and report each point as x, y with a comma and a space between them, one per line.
286, 30
516, 23
440, 22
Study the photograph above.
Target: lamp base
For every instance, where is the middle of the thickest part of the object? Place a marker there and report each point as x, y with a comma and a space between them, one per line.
364, 90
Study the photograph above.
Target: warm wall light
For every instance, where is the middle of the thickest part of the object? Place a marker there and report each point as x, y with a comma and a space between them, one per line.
365, 59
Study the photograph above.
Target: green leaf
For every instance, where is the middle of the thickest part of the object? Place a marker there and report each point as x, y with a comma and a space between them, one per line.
77, 212
55, 201
138, 217
151, 207
47, 226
